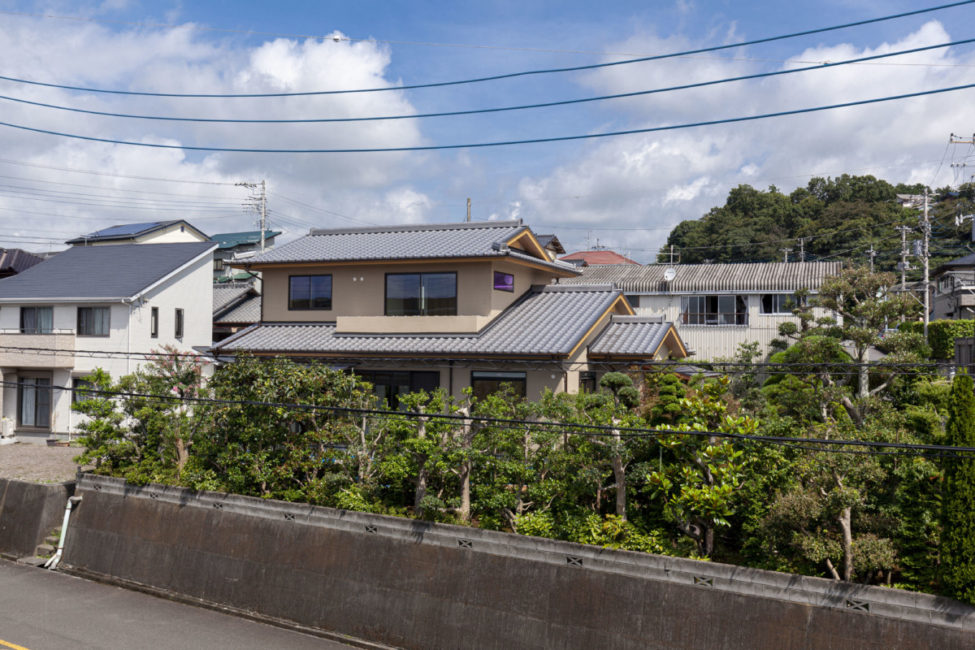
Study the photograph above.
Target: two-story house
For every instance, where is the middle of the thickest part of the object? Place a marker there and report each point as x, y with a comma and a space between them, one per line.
445, 305
716, 306
90, 307
953, 289
174, 231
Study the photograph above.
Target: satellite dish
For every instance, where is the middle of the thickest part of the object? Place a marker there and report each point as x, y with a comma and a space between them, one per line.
670, 274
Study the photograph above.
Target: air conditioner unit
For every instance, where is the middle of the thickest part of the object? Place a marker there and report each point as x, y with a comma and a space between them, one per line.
6, 428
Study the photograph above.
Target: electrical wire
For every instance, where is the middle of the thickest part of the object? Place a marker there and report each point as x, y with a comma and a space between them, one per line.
24, 163
511, 75
502, 143
479, 111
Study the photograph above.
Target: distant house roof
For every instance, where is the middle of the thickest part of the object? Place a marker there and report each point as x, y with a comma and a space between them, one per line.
632, 336
129, 231
549, 321
107, 273
15, 260
598, 257
234, 239
484, 239
695, 278
236, 303
550, 242
960, 262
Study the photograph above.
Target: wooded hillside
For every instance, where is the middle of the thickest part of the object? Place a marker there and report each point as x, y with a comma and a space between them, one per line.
837, 218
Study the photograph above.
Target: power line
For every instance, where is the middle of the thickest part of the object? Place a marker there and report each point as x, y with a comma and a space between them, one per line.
509, 75
23, 163
479, 111
570, 428
502, 143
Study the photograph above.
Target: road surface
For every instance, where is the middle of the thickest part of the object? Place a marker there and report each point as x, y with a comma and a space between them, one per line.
46, 610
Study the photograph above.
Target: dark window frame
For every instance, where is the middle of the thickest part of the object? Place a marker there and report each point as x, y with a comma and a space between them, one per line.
422, 309
39, 391
79, 321
778, 300
515, 378
416, 380
707, 309
311, 306
78, 392
37, 329
179, 325
154, 323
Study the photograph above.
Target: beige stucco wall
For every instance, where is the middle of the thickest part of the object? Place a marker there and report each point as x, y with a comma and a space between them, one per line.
359, 292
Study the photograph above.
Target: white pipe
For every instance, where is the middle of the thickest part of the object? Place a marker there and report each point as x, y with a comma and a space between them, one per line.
53, 562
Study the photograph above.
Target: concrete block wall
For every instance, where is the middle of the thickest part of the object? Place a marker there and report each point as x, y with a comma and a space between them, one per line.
419, 585
28, 513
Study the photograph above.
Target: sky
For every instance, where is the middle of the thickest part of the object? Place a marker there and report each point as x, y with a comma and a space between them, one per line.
623, 192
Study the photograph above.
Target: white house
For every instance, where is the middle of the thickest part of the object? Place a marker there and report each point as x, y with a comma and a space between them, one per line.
90, 307
715, 307
174, 231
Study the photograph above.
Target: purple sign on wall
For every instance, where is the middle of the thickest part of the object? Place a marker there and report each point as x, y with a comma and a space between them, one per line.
504, 281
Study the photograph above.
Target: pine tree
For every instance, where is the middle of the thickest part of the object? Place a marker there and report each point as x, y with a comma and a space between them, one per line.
958, 503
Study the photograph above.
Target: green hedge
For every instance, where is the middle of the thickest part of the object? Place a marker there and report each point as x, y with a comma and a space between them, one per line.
942, 335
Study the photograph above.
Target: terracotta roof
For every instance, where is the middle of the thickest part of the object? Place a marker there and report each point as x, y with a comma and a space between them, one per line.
598, 257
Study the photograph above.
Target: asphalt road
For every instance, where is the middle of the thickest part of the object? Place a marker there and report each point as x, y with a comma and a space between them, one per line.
45, 610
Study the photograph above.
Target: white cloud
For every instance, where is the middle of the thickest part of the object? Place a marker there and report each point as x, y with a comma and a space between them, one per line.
182, 58
655, 180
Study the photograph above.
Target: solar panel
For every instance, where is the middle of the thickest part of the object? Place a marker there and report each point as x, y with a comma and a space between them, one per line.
125, 229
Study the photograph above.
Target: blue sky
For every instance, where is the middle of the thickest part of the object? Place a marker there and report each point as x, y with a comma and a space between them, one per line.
625, 192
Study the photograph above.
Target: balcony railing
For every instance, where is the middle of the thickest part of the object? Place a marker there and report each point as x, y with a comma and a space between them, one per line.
54, 349
714, 318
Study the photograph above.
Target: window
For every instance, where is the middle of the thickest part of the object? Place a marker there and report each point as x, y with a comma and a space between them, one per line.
78, 393
218, 265
389, 385
36, 320
310, 292
778, 303
179, 323
714, 310
94, 321
485, 383
587, 381
34, 402
421, 294
154, 323
634, 300
504, 281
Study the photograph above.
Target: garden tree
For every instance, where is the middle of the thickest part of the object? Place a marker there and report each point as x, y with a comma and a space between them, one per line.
835, 514
521, 468
257, 443
869, 309
666, 390
143, 425
958, 505
108, 447
814, 382
698, 490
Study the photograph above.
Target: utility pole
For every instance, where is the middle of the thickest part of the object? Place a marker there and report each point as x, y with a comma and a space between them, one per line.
468, 209
872, 253
786, 252
904, 230
926, 224
802, 249
260, 203
672, 254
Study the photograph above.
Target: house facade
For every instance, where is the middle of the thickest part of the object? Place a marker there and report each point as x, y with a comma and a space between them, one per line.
174, 231
93, 307
231, 245
445, 305
715, 307
953, 289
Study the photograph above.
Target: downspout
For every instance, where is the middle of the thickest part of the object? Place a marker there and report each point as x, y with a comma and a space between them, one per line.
56, 558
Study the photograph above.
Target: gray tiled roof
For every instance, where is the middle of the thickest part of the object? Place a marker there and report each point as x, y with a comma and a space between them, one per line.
100, 272
630, 336
431, 241
226, 294
547, 321
693, 278
246, 312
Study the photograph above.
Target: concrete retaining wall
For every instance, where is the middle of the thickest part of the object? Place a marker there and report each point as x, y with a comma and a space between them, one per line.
28, 513
421, 585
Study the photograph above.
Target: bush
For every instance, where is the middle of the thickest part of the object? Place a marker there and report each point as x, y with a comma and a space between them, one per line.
942, 335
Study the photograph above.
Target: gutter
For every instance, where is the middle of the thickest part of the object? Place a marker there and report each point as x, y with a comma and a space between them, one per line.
56, 559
